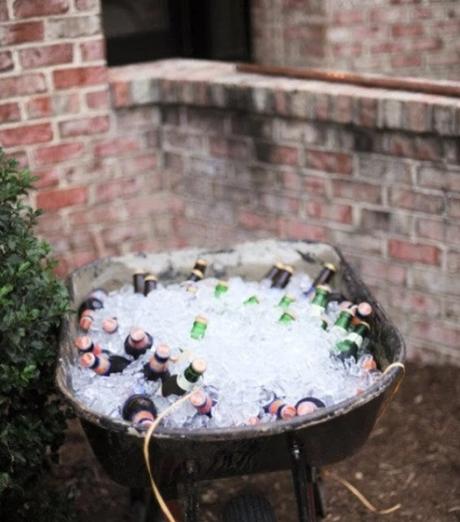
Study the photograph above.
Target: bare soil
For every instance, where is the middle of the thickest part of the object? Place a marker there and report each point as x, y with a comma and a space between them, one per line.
412, 458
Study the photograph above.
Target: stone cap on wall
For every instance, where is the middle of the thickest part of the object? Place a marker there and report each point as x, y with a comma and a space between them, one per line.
220, 85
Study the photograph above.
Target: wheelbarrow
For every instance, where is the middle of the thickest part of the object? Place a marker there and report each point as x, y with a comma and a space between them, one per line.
184, 458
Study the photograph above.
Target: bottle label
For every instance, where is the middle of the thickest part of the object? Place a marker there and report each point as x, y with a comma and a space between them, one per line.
355, 338
183, 383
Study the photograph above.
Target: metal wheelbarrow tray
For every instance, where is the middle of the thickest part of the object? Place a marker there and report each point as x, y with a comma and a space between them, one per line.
185, 457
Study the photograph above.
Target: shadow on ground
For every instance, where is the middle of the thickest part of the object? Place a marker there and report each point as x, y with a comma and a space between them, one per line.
412, 458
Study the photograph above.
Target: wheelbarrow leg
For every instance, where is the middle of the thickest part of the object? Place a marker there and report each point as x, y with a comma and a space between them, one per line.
303, 479
191, 494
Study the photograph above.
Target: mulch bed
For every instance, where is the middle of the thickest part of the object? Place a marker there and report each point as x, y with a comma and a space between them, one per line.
412, 458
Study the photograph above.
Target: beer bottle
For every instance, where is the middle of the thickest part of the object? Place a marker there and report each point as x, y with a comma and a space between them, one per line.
324, 277
253, 299
349, 346
287, 317
93, 301
363, 312
199, 327
308, 405
286, 301
138, 281
110, 325
150, 283
201, 265
320, 300
221, 288
279, 408
343, 322
184, 382
157, 367
367, 362
104, 364
281, 280
84, 344
272, 274
140, 410
202, 402
138, 342
86, 319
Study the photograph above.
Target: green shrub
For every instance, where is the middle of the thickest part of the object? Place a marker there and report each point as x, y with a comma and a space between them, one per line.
32, 303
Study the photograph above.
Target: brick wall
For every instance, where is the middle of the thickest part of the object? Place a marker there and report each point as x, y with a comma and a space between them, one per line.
184, 152
95, 164
374, 172
399, 37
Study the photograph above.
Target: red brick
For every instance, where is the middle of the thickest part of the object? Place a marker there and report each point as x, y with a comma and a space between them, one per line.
399, 30
93, 50
413, 303
26, 135
453, 261
116, 147
98, 100
357, 191
46, 178
442, 178
79, 77
119, 188
454, 207
32, 8
343, 109
228, 148
21, 33
87, 5
143, 163
437, 332
6, 61
9, 112
22, 85
452, 233
428, 203
329, 212
366, 112
416, 116
56, 199
47, 55
57, 104
294, 229
254, 221
3, 12
406, 60
121, 94
414, 252
431, 229
427, 44
39, 107
57, 153
277, 154
84, 126
382, 270
330, 161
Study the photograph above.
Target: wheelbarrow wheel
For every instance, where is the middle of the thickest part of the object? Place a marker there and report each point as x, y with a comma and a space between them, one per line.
249, 508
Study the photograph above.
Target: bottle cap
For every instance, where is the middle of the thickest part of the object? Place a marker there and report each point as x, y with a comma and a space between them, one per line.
331, 266
198, 273
201, 319
198, 398
87, 313
288, 268
137, 335
86, 322
151, 277
87, 360
163, 351
325, 288
287, 412
199, 365
253, 421
364, 309
110, 324
83, 342
201, 261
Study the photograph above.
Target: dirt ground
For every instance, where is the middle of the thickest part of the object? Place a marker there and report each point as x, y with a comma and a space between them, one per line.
412, 458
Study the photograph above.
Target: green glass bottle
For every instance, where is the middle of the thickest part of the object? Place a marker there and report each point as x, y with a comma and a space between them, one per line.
286, 301
343, 322
221, 288
350, 346
199, 327
287, 317
253, 299
320, 300
182, 383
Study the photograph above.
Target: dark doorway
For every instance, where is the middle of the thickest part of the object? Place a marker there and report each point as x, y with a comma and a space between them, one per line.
144, 30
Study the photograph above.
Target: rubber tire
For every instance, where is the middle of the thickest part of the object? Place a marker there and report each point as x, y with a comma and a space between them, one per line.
249, 508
